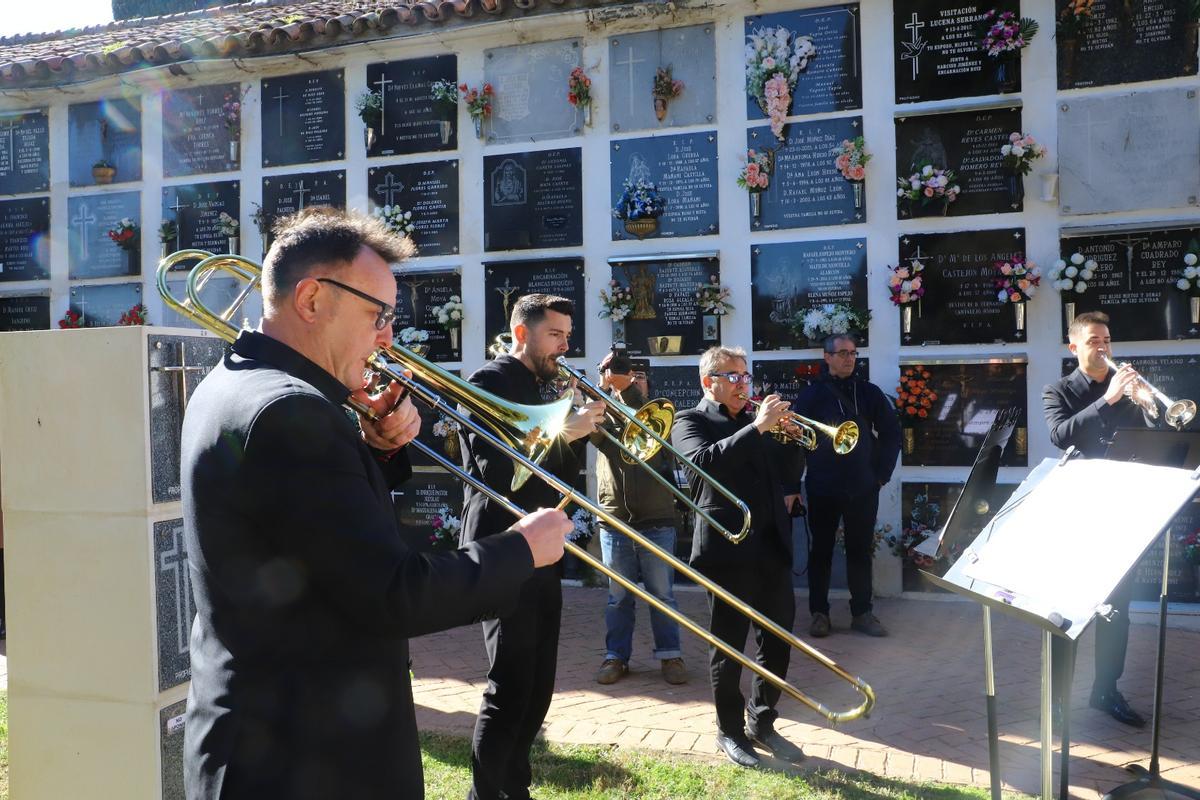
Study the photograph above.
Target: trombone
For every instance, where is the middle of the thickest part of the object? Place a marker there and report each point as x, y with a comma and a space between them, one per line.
844, 436
1179, 412
506, 419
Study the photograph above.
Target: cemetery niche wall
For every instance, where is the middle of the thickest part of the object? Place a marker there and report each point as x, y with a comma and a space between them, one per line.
24, 152
505, 281
686, 55
1119, 42
25, 239
420, 295
664, 186
423, 197
665, 318
792, 283
533, 200
411, 120
303, 118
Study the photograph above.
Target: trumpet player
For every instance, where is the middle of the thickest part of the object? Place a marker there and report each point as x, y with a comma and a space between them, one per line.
1083, 410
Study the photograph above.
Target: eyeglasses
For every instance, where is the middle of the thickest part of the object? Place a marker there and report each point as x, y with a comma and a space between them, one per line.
845, 353
386, 313
733, 377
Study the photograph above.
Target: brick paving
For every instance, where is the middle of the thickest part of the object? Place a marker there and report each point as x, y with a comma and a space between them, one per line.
930, 721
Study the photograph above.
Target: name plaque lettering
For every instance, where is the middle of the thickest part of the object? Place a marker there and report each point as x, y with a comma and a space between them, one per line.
1126, 43
421, 500
91, 252
665, 319
679, 384
25, 239
411, 120
684, 169
806, 187
524, 77
105, 141
533, 200
427, 190
288, 194
304, 118
418, 293
788, 377
202, 129
505, 282
24, 152
196, 210
25, 313
791, 279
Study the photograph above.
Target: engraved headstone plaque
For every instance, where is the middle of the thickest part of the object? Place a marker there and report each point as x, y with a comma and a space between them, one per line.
287, 194
789, 279
196, 211
684, 168
1126, 43
24, 152
173, 604
420, 499
91, 253
806, 189
428, 190
505, 281
788, 377
25, 239
170, 742
177, 365
303, 118
924, 508
530, 81
1128, 152
533, 200
665, 319
108, 131
201, 129
101, 306
634, 59
939, 53
24, 312
418, 294
412, 121
679, 384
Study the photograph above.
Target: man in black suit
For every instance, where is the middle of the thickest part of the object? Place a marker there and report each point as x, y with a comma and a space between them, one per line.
522, 645
305, 593
1084, 409
737, 449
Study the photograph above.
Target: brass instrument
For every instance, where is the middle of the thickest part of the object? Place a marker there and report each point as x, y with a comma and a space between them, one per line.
844, 436
1179, 412
487, 413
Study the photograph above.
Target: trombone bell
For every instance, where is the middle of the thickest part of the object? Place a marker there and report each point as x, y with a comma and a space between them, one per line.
658, 416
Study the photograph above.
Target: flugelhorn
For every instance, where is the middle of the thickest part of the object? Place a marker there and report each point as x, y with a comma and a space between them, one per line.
1179, 412
844, 436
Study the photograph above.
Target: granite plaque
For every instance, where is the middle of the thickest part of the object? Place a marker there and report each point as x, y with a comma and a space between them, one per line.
429, 190
412, 121
173, 603
101, 306
636, 58
923, 510
202, 129
665, 319
24, 152
788, 377
530, 81
196, 210
505, 281
177, 365
679, 384
806, 188
533, 200
91, 252
287, 194
419, 500
960, 305
939, 53
967, 397
789, 279
303, 118
1128, 152
24, 312
108, 131
418, 293
832, 81
1126, 42
683, 167
25, 239
969, 143
1182, 585
170, 745
440, 434
219, 293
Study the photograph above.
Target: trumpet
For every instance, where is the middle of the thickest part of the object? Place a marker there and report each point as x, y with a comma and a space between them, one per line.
844, 436
509, 428
1179, 412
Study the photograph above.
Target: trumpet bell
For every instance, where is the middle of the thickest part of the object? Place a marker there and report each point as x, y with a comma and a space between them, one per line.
1181, 413
845, 438
657, 415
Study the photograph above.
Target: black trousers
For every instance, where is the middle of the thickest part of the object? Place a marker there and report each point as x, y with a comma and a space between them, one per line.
522, 650
857, 514
768, 589
1112, 642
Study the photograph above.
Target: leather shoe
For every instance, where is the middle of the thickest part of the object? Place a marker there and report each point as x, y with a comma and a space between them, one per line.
869, 624
820, 626
673, 671
776, 745
738, 750
611, 671
1114, 704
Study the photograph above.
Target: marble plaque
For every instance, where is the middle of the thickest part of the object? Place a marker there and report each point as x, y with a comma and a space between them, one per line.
304, 118
173, 603
196, 210
683, 167
218, 294
680, 384
91, 253
969, 395
418, 292
506, 281
665, 319
25, 239
790, 278
788, 377
533, 200
806, 189
24, 152
287, 194
24, 312
960, 305
832, 81
412, 121
924, 508
177, 365
969, 143
430, 191
1128, 152
938, 54
530, 81
170, 745
202, 129
101, 306
106, 130
422, 497
634, 60
1126, 43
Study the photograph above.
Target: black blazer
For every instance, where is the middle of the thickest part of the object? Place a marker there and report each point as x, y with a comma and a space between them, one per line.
1078, 415
754, 467
305, 594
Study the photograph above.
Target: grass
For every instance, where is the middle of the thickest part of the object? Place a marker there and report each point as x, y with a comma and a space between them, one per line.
3, 745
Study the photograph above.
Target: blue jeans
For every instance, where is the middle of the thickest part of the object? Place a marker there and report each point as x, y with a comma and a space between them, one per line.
621, 554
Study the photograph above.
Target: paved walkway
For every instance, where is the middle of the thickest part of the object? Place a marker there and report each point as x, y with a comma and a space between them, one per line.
930, 721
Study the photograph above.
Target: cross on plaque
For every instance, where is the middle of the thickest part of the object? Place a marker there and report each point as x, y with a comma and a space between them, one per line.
630, 62
1130, 242
178, 205
506, 291
382, 83
83, 218
917, 255
8, 131
389, 187
300, 190
914, 47
175, 561
183, 369
280, 97
412, 283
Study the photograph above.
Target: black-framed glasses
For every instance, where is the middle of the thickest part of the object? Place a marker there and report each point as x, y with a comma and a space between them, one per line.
733, 377
845, 353
387, 313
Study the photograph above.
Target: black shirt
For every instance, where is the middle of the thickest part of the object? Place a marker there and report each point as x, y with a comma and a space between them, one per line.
1078, 415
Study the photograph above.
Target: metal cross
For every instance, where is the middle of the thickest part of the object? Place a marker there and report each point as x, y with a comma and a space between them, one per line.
382, 83
630, 62
1130, 242
389, 187
175, 560
83, 218
300, 190
412, 283
281, 97
183, 369
178, 205
507, 291
914, 48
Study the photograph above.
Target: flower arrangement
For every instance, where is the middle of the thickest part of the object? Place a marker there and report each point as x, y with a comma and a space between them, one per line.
1017, 281
922, 523
72, 319
227, 225
1189, 281
409, 336
1075, 18
446, 527
168, 231
914, 398
231, 111
579, 88
134, 316
851, 158
639, 200
906, 283
585, 526
1020, 153
369, 106
775, 57
756, 175
807, 371
830, 318
617, 301
124, 234
447, 429
1191, 548
397, 220
444, 92
929, 184
449, 314
478, 101
713, 298
1004, 32
1072, 276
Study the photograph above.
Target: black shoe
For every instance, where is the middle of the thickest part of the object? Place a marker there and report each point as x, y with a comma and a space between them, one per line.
869, 624
1114, 704
776, 745
738, 749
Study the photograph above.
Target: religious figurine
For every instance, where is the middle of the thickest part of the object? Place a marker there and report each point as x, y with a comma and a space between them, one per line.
641, 283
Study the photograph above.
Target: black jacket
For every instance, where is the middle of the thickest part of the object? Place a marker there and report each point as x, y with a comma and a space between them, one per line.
754, 467
305, 594
1077, 414
870, 464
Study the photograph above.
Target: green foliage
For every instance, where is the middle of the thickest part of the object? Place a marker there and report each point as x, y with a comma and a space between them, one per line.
131, 9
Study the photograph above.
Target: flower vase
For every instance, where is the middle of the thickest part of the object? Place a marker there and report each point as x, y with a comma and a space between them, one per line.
478, 126
1069, 312
164, 250
1016, 190
369, 137
711, 325
618, 332
642, 226
1194, 304
233, 151
936, 208
1068, 49
910, 439
906, 317
445, 127
454, 339
1021, 440
660, 108
1019, 316
133, 257
231, 245
756, 205
1006, 72
858, 192
104, 175
1191, 36
450, 446
587, 115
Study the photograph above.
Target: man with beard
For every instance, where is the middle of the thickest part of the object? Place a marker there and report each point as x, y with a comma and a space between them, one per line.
522, 645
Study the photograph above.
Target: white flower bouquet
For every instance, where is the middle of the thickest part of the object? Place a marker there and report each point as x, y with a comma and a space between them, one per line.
1073, 274
449, 314
397, 219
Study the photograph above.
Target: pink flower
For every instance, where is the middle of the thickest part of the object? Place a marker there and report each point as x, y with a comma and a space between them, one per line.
1006, 269
929, 191
857, 173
